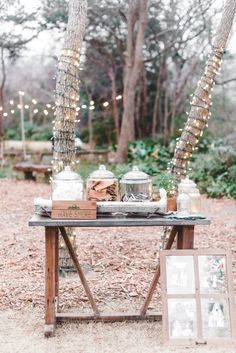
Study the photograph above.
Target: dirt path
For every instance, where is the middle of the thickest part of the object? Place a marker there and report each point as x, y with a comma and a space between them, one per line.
118, 265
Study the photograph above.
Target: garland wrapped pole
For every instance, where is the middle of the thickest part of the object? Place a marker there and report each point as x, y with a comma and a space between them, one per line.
66, 95
201, 99
67, 87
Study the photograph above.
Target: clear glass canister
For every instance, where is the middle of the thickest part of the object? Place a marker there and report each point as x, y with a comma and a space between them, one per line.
102, 185
189, 188
195, 201
183, 204
186, 185
136, 186
67, 185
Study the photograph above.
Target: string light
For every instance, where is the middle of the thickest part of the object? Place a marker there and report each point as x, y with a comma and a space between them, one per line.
52, 107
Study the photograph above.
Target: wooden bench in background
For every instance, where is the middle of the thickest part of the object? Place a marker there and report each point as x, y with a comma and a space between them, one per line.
36, 171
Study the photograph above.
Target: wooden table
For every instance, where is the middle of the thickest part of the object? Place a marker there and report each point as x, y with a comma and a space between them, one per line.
183, 229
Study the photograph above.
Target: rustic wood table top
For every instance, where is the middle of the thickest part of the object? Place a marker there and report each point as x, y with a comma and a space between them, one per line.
111, 221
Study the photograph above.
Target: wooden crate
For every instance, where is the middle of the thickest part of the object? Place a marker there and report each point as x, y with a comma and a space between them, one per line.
74, 210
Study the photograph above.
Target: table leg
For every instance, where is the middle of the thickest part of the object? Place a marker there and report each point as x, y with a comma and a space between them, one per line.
57, 270
50, 284
157, 274
185, 238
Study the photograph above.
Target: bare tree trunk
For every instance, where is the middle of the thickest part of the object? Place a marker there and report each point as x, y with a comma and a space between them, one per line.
156, 109
166, 116
177, 95
144, 112
137, 112
67, 86
133, 65
201, 100
2, 105
90, 123
114, 103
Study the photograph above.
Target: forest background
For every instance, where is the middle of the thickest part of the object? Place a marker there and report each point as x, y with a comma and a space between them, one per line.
151, 56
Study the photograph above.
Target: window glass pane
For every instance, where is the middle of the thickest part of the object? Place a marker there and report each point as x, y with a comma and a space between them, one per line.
215, 318
180, 275
212, 273
182, 318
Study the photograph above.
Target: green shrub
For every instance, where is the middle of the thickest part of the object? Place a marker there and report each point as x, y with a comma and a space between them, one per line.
215, 172
167, 182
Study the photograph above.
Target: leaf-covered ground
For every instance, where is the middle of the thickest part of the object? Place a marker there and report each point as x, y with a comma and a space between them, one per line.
119, 265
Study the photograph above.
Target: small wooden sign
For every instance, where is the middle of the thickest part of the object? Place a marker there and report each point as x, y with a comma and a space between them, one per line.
74, 210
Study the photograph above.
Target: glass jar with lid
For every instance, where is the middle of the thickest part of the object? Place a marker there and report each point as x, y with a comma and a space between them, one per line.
136, 186
67, 185
102, 185
189, 188
183, 204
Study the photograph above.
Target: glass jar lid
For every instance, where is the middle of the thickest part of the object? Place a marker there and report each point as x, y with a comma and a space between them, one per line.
67, 174
186, 182
135, 176
102, 173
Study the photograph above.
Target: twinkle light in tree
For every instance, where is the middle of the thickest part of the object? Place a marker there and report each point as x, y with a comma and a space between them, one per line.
201, 99
105, 104
197, 117
67, 88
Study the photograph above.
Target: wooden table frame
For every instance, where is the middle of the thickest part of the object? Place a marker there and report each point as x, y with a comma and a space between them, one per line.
183, 229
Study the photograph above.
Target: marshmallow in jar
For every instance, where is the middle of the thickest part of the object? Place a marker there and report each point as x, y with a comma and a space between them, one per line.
67, 185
